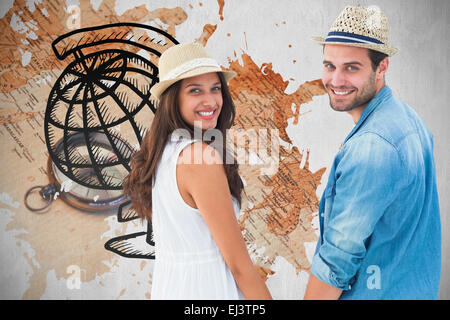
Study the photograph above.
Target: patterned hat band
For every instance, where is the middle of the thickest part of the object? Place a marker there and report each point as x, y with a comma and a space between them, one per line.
346, 37
189, 65
360, 27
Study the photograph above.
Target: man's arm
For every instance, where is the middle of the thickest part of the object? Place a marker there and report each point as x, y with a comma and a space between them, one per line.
318, 290
370, 175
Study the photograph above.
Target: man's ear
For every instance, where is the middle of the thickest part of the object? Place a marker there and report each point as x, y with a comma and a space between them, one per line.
382, 68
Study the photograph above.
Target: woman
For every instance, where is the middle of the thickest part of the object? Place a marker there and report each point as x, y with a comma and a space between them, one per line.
185, 188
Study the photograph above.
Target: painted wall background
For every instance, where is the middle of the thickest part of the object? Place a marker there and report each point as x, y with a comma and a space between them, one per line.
41, 253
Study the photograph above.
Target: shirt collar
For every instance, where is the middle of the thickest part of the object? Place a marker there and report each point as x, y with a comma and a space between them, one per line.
382, 95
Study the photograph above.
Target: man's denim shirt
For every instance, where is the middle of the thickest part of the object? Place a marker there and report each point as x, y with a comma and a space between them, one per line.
380, 232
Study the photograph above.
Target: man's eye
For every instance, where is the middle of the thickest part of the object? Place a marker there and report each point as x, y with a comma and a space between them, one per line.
329, 66
352, 68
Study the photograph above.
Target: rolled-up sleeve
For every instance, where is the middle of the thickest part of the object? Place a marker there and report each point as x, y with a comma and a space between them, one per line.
368, 176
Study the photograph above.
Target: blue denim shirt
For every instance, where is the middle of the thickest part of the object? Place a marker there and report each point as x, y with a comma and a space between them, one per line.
380, 232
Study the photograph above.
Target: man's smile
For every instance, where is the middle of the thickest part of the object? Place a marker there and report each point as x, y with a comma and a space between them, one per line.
341, 92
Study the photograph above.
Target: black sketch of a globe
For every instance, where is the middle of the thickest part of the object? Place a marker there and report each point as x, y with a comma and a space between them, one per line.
97, 114
99, 108
104, 93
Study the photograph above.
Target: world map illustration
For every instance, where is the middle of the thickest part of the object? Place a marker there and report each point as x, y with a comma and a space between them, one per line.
60, 252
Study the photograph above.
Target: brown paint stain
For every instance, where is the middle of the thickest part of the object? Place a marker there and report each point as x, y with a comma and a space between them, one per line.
122, 292
245, 38
55, 25
270, 86
280, 216
221, 4
281, 211
293, 189
208, 31
61, 235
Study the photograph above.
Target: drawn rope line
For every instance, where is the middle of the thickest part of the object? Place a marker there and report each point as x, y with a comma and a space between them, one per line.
80, 162
88, 142
125, 68
137, 70
83, 164
145, 99
129, 116
125, 248
60, 93
81, 75
98, 63
130, 213
66, 133
57, 98
132, 57
94, 58
110, 39
120, 54
126, 83
105, 129
85, 74
66, 143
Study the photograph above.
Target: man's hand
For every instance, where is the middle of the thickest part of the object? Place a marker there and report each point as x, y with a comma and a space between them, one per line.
318, 290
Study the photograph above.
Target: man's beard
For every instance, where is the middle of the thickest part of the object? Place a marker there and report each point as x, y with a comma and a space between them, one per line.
363, 97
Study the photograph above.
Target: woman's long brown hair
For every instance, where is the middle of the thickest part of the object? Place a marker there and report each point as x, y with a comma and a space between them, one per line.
137, 185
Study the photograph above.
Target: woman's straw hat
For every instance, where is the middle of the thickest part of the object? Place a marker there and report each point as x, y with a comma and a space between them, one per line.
365, 27
184, 61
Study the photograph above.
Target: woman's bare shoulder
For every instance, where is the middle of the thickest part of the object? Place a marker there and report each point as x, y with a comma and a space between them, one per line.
199, 155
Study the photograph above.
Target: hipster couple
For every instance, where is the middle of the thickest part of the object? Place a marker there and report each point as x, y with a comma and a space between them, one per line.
380, 235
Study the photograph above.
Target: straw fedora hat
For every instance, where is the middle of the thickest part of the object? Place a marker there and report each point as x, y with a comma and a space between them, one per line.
183, 61
365, 27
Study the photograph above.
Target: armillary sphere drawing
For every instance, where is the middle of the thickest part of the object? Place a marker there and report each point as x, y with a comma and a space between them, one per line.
96, 117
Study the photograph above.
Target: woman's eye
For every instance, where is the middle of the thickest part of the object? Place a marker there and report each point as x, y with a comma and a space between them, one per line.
216, 89
194, 90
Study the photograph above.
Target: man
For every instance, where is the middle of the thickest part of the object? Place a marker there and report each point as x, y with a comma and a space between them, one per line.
380, 233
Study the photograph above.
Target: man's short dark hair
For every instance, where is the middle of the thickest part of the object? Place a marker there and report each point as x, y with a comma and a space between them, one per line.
376, 57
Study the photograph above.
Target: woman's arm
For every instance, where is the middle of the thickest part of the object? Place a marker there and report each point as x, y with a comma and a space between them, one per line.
205, 186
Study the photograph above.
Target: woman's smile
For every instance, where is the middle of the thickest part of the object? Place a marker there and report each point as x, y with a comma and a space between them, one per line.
207, 115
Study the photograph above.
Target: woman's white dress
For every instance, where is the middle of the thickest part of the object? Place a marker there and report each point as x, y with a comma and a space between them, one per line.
188, 263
